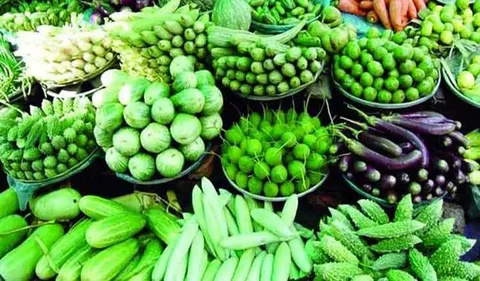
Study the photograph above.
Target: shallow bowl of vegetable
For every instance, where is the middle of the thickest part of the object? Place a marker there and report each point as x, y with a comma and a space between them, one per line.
189, 169
274, 199
384, 202
286, 94
85, 89
450, 70
386, 105
271, 17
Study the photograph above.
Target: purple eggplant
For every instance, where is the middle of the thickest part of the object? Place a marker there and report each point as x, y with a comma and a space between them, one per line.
456, 163
459, 138
422, 175
449, 186
436, 129
392, 198
440, 180
459, 177
422, 114
403, 178
376, 192
428, 197
417, 199
387, 182
372, 174
454, 189
406, 147
428, 186
414, 188
441, 166
367, 187
458, 125
359, 166
398, 131
461, 150
380, 144
344, 163
446, 141
439, 191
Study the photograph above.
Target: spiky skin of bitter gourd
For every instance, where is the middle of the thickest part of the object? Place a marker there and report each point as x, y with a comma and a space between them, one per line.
399, 275
374, 211
349, 239
341, 271
337, 251
359, 219
421, 266
390, 260
392, 230
445, 257
363, 277
438, 234
430, 215
466, 270
396, 244
337, 215
404, 209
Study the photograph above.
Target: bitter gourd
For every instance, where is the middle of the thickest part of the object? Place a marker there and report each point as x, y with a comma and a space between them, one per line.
349, 239
359, 219
466, 270
374, 211
399, 275
341, 271
421, 266
446, 256
337, 251
314, 251
325, 229
362, 277
450, 278
438, 234
431, 214
392, 229
396, 244
337, 215
390, 260
467, 244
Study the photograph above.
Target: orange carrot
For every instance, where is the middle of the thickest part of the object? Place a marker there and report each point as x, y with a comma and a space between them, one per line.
366, 5
372, 17
396, 14
412, 10
380, 8
419, 4
351, 7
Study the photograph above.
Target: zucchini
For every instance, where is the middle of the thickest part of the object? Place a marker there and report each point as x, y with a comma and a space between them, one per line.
9, 203
19, 264
98, 208
114, 229
60, 204
8, 225
106, 264
71, 270
62, 250
126, 272
163, 225
147, 260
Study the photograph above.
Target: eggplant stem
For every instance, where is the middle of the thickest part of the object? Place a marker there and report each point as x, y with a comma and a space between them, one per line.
370, 120
361, 125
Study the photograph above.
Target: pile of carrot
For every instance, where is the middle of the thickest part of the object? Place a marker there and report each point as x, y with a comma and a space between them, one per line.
393, 14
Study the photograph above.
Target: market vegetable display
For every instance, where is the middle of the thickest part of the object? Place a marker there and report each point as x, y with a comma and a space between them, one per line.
462, 71
28, 15
250, 64
13, 79
153, 128
418, 153
364, 243
285, 12
386, 70
49, 141
65, 55
278, 154
330, 33
147, 41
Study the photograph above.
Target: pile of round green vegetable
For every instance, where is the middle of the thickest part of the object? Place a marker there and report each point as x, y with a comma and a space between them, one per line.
147, 45
255, 71
49, 141
26, 16
147, 128
284, 12
466, 79
446, 24
384, 70
277, 154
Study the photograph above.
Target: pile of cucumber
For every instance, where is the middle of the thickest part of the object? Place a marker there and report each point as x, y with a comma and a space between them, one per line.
48, 142
284, 12
277, 154
418, 153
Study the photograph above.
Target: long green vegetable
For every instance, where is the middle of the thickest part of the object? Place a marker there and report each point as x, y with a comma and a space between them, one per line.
12, 75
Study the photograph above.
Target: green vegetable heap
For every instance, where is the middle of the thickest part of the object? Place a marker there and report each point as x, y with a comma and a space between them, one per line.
384, 70
28, 16
467, 76
365, 244
13, 80
65, 55
472, 156
148, 41
49, 141
444, 25
277, 154
147, 128
284, 12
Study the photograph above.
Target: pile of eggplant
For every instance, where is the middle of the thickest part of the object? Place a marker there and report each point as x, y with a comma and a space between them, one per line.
418, 153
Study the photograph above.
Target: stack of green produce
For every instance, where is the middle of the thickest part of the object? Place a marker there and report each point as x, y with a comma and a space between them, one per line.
366, 244
285, 12
262, 65
386, 69
236, 239
148, 41
467, 75
330, 34
97, 247
13, 79
445, 25
27, 16
59, 56
472, 155
147, 128
277, 154
49, 141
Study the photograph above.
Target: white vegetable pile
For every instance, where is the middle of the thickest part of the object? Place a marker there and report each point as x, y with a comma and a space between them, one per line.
150, 129
55, 55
